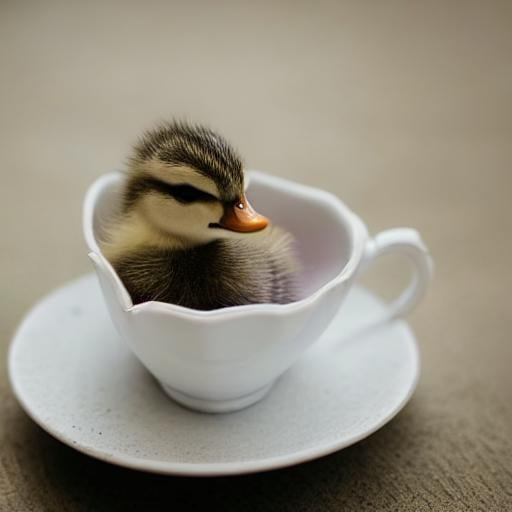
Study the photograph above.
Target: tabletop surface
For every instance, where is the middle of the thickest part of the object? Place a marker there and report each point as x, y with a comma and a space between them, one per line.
402, 109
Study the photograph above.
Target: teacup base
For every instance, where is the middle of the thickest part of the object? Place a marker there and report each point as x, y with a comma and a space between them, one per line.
216, 406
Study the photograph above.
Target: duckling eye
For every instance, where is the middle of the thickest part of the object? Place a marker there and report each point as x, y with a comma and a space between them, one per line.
182, 193
189, 194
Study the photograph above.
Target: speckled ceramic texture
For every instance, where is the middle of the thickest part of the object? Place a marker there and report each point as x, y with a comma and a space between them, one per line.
78, 380
226, 359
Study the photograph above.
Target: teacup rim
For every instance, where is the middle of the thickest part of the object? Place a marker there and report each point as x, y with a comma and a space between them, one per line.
354, 224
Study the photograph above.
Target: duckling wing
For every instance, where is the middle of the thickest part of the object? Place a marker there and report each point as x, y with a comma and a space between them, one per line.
264, 268
190, 278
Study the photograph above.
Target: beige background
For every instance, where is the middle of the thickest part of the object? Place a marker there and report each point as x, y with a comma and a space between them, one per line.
403, 109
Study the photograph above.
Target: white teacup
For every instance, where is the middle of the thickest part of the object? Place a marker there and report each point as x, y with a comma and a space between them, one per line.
226, 359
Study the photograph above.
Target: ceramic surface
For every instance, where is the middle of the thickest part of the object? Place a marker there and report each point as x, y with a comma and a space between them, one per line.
226, 359
77, 379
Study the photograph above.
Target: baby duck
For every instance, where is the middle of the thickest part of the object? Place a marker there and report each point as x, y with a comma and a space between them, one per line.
187, 234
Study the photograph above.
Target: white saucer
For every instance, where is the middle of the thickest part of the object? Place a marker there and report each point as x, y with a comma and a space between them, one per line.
76, 378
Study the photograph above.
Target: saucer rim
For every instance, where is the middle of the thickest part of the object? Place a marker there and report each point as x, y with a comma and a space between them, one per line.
207, 469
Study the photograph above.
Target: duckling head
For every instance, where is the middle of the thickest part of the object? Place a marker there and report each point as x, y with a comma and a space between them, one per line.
186, 183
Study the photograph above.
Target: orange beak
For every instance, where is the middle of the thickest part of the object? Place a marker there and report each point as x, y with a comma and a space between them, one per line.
241, 217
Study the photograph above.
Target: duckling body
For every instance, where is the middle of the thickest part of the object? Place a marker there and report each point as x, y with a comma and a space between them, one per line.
214, 275
187, 234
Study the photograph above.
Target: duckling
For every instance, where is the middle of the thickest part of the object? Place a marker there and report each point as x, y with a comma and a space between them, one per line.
187, 234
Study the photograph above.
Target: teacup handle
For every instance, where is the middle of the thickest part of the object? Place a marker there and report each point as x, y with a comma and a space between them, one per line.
406, 242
